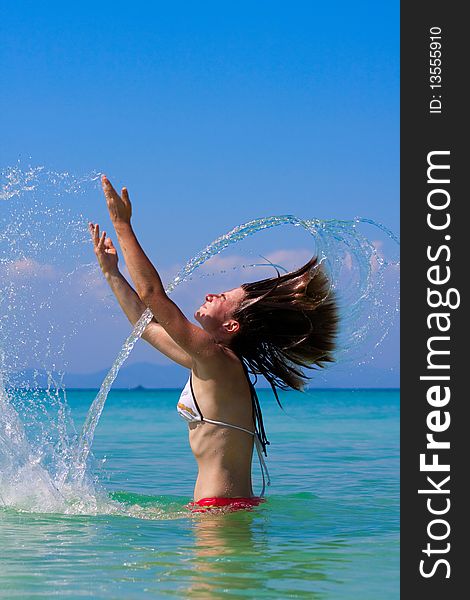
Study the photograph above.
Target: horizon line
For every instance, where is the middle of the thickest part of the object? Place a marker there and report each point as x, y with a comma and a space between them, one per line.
140, 388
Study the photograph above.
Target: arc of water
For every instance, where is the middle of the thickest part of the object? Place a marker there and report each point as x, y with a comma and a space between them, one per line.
313, 226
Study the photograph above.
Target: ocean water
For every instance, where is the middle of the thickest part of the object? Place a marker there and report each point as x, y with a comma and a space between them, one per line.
329, 528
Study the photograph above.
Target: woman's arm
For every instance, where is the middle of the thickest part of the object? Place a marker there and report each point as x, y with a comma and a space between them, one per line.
129, 301
194, 340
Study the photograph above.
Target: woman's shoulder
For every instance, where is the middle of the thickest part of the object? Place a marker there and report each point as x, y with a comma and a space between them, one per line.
224, 364
222, 385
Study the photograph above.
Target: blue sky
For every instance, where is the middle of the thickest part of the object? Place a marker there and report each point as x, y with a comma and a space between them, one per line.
211, 113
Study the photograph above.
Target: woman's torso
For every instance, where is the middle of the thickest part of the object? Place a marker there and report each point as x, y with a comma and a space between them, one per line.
223, 454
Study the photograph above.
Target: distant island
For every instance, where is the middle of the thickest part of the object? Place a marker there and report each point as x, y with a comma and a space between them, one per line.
143, 376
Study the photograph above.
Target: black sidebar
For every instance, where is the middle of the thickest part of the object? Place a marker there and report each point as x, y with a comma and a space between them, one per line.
435, 373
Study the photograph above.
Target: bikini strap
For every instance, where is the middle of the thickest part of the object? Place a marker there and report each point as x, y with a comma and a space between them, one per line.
228, 425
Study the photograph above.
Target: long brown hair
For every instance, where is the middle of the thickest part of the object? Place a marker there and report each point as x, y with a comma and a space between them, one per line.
287, 323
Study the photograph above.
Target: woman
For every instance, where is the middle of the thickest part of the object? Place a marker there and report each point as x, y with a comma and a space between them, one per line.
274, 327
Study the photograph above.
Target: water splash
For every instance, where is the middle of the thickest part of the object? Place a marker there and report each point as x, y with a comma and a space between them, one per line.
42, 241
45, 269
17, 180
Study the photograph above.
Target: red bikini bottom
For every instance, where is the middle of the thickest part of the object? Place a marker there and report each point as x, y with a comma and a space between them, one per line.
230, 503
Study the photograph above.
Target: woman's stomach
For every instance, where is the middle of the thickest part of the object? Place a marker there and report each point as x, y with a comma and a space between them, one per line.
224, 461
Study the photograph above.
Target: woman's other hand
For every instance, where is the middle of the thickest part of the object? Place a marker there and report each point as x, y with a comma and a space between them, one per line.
120, 209
105, 251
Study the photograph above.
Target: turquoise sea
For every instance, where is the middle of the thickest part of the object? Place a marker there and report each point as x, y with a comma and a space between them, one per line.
329, 530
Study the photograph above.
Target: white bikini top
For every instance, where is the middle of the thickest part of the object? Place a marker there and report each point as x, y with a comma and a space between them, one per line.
188, 408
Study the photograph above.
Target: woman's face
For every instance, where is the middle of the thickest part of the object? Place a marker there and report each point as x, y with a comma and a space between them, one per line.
217, 310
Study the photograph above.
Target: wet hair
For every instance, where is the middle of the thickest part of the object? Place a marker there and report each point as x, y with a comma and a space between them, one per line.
287, 323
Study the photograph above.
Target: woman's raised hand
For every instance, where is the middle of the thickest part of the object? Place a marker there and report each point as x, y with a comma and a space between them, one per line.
119, 206
104, 248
